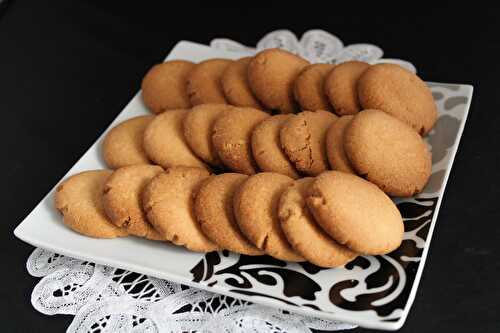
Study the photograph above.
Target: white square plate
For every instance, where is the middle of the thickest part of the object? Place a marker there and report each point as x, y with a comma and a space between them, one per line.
372, 291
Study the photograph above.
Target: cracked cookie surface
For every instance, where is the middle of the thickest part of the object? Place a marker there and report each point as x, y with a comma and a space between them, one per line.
164, 141
308, 87
204, 82
255, 207
271, 74
198, 125
213, 207
303, 140
302, 231
78, 199
235, 84
168, 202
122, 203
266, 146
231, 138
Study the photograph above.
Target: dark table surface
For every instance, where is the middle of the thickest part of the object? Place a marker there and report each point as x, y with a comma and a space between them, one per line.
66, 70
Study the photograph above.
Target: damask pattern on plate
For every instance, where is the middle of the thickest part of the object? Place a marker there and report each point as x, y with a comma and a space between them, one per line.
376, 287
374, 291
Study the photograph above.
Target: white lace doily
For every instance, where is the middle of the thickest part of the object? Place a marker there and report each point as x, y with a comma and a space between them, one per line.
106, 299
316, 46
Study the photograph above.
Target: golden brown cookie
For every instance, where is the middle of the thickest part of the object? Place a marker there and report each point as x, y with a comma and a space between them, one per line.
355, 213
302, 231
335, 145
164, 141
168, 202
308, 88
78, 199
255, 207
266, 147
122, 199
122, 145
303, 140
271, 74
399, 92
387, 152
198, 126
164, 86
231, 137
340, 87
203, 82
235, 85
213, 207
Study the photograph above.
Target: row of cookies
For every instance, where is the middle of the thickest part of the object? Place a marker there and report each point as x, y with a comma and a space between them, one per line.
327, 220
371, 143
277, 80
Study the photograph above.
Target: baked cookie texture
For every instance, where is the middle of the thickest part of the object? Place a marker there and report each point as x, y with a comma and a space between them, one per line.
302, 231
164, 141
235, 84
337, 157
168, 202
122, 145
164, 86
308, 87
400, 93
204, 82
213, 207
255, 207
271, 75
231, 138
266, 146
198, 126
341, 87
355, 213
303, 140
78, 199
122, 199
388, 153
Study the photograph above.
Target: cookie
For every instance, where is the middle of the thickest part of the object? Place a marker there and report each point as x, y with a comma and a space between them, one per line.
355, 213
302, 231
308, 87
337, 157
164, 86
164, 141
303, 140
388, 153
255, 206
203, 82
122, 203
271, 74
231, 137
266, 147
168, 202
213, 207
122, 145
340, 87
399, 92
198, 125
235, 84
78, 199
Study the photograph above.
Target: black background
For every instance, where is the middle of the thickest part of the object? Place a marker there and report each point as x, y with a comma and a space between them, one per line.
67, 69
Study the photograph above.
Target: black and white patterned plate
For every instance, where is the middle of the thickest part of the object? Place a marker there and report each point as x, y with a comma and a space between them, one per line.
372, 291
